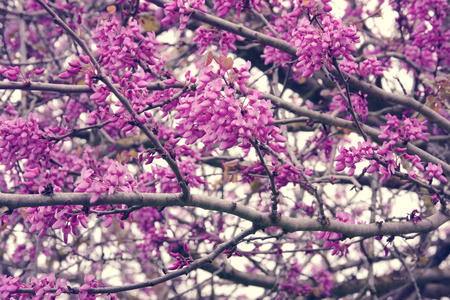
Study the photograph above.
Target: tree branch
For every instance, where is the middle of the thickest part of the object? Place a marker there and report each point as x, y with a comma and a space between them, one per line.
389, 282
71, 88
333, 121
382, 95
259, 219
192, 266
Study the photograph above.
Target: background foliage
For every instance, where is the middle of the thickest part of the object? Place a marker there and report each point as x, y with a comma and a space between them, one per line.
224, 149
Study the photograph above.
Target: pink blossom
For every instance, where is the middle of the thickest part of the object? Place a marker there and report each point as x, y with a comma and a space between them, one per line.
317, 47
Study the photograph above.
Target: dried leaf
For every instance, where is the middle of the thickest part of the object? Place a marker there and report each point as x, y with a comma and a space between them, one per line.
111, 9
133, 153
225, 63
234, 178
79, 150
208, 58
304, 3
149, 22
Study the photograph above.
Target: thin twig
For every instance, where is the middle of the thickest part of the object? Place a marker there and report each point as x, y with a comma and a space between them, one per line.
273, 187
410, 273
192, 266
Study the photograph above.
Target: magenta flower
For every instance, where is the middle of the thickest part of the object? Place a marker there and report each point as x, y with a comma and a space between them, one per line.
317, 47
407, 130
214, 115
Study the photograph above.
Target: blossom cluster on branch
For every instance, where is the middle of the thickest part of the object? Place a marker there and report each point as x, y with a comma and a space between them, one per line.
157, 149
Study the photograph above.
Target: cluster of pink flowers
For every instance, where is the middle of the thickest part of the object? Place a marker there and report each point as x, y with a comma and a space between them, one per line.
359, 104
115, 178
324, 281
161, 96
204, 37
229, 252
222, 7
54, 178
414, 216
370, 66
214, 115
425, 22
332, 238
166, 178
365, 151
284, 27
187, 160
65, 217
293, 286
101, 93
396, 131
181, 260
182, 9
75, 67
425, 41
104, 114
90, 282
74, 108
14, 74
8, 285
434, 171
405, 130
149, 222
308, 40
283, 174
121, 48
24, 144
317, 47
134, 87
41, 287
22, 140
308, 209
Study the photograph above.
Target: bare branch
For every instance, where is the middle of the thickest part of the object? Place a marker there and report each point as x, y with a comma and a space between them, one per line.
259, 219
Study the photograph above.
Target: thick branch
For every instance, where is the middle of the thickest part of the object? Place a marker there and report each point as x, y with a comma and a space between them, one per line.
244, 278
383, 284
259, 219
71, 88
389, 282
382, 95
